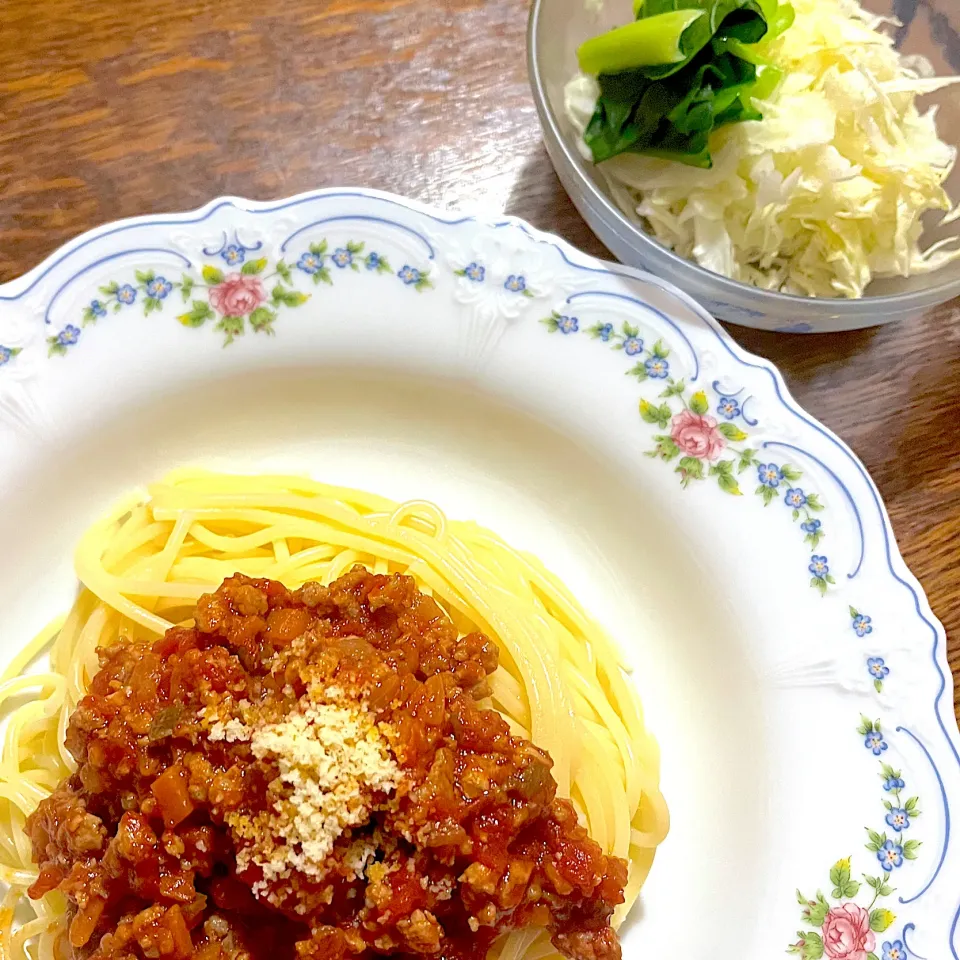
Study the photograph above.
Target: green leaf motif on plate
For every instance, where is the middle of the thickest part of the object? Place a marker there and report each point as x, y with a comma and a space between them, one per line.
552, 323
254, 267
652, 413
665, 449
201, 312
281, 296
659, 350
881, 919
690, 468
732, 432
261, 320
231, 327
699, 404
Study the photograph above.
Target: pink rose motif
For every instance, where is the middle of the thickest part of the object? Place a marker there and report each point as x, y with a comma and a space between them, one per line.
237, 295
847, 934
696, 436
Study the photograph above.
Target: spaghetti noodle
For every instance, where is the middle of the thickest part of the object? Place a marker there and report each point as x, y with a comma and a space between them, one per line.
559, 683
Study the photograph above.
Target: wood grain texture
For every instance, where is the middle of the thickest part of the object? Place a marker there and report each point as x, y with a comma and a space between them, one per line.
111, 110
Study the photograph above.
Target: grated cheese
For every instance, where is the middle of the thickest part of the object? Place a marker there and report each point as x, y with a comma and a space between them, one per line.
232, 731
360, 854
334, 765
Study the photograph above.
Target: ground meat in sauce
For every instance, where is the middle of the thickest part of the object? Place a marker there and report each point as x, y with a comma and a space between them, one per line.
472, 842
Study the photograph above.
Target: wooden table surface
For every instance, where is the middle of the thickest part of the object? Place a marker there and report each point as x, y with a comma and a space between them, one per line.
111, 110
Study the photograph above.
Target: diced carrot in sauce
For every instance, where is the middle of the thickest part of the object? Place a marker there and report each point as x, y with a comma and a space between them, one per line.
210, 951
84, 923
173, 797
174, 922
286, 623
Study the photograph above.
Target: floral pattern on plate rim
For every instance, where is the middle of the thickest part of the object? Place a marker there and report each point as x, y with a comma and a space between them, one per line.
237, 299
234, 300
8, 353
702, 437
476, 272
840, 927
862, 626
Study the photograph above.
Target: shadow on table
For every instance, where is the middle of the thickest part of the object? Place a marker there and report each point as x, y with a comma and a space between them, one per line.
803, 357
538, 197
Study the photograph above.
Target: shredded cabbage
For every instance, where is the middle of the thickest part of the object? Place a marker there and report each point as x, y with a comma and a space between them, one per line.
822, 195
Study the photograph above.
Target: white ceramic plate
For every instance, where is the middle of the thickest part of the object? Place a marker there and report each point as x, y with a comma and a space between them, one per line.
592, 414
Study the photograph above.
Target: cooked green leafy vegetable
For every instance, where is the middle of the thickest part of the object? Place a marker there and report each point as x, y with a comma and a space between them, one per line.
682, 69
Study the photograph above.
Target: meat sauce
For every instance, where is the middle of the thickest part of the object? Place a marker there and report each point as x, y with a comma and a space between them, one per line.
473, 842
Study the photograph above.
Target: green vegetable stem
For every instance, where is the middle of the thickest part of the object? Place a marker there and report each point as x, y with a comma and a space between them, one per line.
648, 42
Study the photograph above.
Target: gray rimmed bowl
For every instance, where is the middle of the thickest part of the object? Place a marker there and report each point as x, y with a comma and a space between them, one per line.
556, 29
